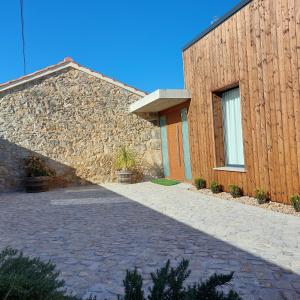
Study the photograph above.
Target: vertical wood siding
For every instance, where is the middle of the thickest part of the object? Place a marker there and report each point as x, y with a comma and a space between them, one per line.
258, 48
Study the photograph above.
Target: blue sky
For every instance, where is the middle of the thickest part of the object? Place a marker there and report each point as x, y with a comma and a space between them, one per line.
137, 42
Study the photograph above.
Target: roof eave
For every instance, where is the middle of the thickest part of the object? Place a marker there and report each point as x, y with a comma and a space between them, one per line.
63, 65
33, 76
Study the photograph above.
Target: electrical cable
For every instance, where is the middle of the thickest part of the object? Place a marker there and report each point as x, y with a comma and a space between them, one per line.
23, 36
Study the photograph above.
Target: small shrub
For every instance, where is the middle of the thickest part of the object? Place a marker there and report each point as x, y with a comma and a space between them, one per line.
200, 183
296, 202
235, 191
261, 196
215, 187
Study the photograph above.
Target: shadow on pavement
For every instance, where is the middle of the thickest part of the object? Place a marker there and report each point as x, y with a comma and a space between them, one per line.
94, 235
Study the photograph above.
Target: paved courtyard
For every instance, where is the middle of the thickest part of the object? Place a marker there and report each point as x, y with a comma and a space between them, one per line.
95, 233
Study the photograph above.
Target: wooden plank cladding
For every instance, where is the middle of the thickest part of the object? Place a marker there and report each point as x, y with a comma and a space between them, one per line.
259, 48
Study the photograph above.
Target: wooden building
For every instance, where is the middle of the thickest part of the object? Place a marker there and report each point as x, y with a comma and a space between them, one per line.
243, 108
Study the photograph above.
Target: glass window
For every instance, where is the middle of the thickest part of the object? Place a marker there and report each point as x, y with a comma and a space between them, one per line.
232, 126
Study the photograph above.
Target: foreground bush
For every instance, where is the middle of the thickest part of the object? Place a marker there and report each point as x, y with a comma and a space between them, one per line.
200, 183
168, 284
24, 278
296, 202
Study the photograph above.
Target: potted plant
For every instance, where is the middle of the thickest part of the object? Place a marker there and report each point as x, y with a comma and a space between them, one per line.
125, 162
37, 175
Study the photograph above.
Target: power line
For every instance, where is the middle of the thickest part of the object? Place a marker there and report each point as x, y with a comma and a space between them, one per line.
23, 37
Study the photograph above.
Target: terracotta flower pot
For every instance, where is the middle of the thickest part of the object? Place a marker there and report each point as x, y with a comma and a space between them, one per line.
36, 184
124, 176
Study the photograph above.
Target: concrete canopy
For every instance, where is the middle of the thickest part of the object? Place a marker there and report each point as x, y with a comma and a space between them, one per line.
160, 100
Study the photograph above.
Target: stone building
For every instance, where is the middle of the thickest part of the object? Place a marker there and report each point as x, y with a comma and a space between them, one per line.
76, 119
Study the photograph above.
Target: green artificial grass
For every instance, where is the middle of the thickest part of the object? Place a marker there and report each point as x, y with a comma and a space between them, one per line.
165, 182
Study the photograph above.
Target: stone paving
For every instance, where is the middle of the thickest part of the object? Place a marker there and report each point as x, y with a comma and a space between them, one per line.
94, 234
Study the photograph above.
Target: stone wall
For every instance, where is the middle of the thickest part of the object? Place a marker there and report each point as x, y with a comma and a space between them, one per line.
76, 122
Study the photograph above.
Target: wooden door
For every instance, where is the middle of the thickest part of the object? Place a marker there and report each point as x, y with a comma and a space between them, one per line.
175, 145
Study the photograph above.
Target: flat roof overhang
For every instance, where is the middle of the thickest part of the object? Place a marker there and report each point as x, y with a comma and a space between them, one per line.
160, 100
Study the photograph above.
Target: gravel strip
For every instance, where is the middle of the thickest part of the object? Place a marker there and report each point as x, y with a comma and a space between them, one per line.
274, 206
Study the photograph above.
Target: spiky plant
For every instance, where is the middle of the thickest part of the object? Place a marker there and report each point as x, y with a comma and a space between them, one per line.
168, 283
125, 159
133, 286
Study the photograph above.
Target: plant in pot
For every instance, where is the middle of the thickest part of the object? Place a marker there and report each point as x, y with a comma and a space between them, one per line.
37, 175
125, 162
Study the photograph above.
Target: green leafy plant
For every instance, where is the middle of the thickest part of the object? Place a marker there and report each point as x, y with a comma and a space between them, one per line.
125, 159
235, 191
200, 183
35, 166
27, 278
261, 196
215, 187
168, 283
133, 286
295, 200
208, 289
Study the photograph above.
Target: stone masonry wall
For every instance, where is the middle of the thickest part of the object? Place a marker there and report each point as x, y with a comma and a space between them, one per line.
76, 122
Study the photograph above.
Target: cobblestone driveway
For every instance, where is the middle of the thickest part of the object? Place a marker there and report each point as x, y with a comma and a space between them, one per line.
94, 234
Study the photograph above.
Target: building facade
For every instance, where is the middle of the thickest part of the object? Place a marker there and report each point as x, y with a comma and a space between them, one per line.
76, 119
243, 111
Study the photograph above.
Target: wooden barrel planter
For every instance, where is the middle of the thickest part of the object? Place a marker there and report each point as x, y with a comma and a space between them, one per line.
124, 177
36, 184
